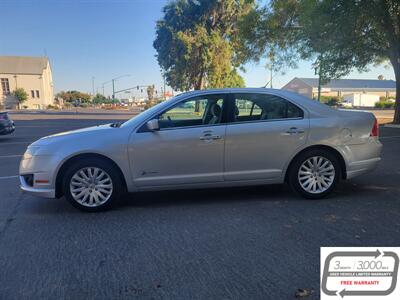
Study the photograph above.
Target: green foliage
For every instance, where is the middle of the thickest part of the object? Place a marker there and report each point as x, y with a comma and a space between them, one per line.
71, 96
339, 35
101, 99
331, 100
50, 106
21, 95
385, 104
151, 103
384, 98
196, 42
348, 34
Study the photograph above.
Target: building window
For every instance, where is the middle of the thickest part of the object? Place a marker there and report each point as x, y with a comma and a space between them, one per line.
32, 93
37, 94
5, 86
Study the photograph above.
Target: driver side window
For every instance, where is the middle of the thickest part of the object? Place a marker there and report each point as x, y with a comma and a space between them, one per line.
193, 112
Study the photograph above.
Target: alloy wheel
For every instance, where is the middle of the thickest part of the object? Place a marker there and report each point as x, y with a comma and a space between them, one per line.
91, 186
316, 174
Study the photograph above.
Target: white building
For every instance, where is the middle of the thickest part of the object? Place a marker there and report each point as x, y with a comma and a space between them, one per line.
341, 87
33, 74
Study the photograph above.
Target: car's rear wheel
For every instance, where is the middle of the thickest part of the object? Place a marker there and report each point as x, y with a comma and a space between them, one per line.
92, 185
315, 173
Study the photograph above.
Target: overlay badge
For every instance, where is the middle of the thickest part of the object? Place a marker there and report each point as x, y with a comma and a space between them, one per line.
359, 273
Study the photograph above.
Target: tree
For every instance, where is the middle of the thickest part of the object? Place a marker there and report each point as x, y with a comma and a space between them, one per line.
21, 96
341, 35
99, 99
71, 96
150, 92
195, 43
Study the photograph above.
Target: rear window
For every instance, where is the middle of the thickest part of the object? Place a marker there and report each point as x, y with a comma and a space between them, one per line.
3, 116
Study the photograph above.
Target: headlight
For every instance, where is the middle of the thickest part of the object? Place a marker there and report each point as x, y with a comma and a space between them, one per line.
31, 151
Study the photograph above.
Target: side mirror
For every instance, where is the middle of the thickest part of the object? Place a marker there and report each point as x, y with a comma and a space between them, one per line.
153, 125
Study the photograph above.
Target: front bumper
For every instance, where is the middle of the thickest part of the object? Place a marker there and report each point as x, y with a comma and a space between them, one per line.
40, 192
43, 170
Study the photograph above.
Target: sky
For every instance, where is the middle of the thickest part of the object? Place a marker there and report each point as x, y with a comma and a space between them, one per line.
106, 39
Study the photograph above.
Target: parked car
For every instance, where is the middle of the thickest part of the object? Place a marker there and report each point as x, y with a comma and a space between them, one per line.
201, 139
7, 125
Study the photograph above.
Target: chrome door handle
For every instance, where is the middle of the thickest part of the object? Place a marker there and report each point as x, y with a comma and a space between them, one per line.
208, 137
294, 130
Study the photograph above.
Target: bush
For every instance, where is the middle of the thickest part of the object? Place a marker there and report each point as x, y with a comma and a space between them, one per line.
331, 100
384, 98
50, 106
84, 105
384, 104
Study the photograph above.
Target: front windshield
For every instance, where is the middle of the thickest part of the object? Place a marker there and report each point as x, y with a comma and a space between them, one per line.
147, 113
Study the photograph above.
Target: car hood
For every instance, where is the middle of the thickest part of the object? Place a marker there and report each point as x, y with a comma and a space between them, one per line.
89, 131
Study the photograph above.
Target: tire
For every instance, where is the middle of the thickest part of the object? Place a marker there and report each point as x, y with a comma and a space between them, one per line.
104, 188
322, 180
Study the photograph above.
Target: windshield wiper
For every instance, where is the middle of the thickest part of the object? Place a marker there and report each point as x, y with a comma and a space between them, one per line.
116, 124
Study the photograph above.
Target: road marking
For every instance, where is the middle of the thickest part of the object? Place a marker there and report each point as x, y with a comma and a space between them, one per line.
389, 137
10, 156
15, 143
48, 126
9, 177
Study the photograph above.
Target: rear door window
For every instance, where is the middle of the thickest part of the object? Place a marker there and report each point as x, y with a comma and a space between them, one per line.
260, 107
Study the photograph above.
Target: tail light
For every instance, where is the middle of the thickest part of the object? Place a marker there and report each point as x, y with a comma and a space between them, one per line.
375, 129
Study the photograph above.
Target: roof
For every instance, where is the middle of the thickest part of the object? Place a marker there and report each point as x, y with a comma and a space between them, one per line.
352, 83
313, 107
22, 64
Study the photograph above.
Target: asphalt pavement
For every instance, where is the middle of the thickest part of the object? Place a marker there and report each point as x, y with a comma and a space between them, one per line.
231, 243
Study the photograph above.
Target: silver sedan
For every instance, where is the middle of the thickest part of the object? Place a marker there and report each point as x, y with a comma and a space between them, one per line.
201, 139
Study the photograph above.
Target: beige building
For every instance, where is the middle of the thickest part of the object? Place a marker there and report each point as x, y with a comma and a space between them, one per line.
340, 87
33, 74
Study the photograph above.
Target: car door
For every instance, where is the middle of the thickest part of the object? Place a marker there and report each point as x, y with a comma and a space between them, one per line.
187, 149
262, 135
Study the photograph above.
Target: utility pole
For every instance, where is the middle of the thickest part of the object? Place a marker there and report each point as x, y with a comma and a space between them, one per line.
113, 89
271, 76
93, 86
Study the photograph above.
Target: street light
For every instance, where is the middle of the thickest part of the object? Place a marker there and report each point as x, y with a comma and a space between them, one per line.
93, 86
104, 83
113, 83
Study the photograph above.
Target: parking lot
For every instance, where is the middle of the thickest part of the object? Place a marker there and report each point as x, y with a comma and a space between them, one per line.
234, 243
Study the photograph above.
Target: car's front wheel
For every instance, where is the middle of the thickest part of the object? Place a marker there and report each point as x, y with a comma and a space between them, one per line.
92, 185
314, 174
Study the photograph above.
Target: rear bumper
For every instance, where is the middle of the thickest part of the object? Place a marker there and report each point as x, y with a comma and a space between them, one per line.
7, 128
361, 167
362, 158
